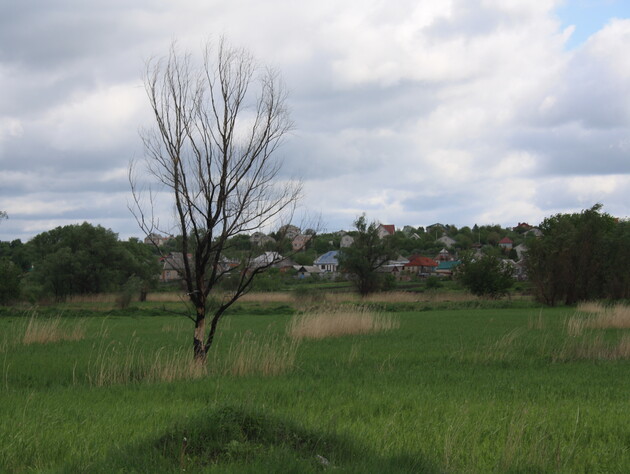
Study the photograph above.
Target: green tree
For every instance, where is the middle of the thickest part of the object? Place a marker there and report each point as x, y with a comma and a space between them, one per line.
571, 261
80, 259
10, 275
486, 276
365, 256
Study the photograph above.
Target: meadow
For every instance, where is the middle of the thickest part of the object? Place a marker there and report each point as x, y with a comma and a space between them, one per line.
394, 384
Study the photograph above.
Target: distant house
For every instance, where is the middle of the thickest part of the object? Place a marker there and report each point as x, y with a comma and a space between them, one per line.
258, 238
288, 231
444, 256
447, 241
534, 231
419, 265
299, 242
328, 262
506, 243
156, 239
305, 271
446, 268
172, 267
522, 227
266, 259
436, 229
385, 229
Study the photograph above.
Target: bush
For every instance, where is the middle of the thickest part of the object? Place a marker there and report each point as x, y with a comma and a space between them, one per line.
433, 283
486, 276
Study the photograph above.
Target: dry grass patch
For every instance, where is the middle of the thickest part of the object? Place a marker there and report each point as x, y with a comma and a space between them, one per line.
44, 331
249, 354
339, 321
598, 316
118, 364
594, 347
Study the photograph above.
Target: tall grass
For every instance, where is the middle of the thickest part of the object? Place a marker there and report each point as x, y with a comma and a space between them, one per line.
44, 331
603, 317
339, 321
115, 363
249, 354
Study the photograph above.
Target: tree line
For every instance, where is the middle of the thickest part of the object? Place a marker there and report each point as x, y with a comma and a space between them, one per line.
74, 259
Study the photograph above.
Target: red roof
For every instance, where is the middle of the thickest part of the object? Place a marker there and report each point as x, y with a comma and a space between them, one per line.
420, 261
390, 228
506, 240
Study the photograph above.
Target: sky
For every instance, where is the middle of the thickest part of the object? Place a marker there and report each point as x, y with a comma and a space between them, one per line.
461, 112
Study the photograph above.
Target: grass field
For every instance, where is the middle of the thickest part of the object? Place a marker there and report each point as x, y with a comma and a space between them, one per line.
471, 389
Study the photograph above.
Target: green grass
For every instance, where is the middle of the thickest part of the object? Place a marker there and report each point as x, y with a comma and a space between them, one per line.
457, 390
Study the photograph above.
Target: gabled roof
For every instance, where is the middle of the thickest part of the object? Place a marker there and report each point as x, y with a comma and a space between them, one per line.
329, 258
420, 261
506, 240
390, 228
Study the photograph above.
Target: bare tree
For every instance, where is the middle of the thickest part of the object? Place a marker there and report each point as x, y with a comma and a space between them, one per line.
217, 128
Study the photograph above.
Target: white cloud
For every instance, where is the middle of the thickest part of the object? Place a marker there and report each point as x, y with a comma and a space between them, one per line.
459, 111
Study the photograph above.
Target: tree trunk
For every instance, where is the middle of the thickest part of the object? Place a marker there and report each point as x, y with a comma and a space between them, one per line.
199, 347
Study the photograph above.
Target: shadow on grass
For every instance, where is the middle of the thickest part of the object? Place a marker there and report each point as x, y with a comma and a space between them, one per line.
237, 440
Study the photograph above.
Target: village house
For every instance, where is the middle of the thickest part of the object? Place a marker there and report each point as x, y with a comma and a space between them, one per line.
300, 241
421, 266
328, 262
385, 229
506, 243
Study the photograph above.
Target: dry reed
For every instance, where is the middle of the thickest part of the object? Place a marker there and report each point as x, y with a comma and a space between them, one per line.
44, 331
257, 355
598, 316
337, 321
594, 347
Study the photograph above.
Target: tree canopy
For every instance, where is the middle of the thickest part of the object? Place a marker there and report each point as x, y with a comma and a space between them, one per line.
580, 256
367, 254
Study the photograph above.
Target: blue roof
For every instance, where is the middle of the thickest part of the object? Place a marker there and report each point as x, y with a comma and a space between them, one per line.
328, 258
448, 265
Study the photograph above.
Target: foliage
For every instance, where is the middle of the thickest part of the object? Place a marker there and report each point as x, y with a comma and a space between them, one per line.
363, 259
433, 283
9, 281
82, 259
580, 256
485, 276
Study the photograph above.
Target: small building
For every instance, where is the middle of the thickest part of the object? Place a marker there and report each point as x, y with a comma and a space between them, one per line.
328, 263
385, 229
288, 231
156, 239
419, 265
444, 256
305, 271
506, 243
446, 268
447, 241
172, 267
260, 239
300, 241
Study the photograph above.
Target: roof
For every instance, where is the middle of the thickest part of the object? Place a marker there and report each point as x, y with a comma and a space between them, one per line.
390, 228
420, 261
329, 258
506, 240
448, 265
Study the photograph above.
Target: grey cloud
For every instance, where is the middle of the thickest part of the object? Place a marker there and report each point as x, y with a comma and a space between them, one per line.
573, 150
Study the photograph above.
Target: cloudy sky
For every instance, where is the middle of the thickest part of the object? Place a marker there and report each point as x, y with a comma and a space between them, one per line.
414, 112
